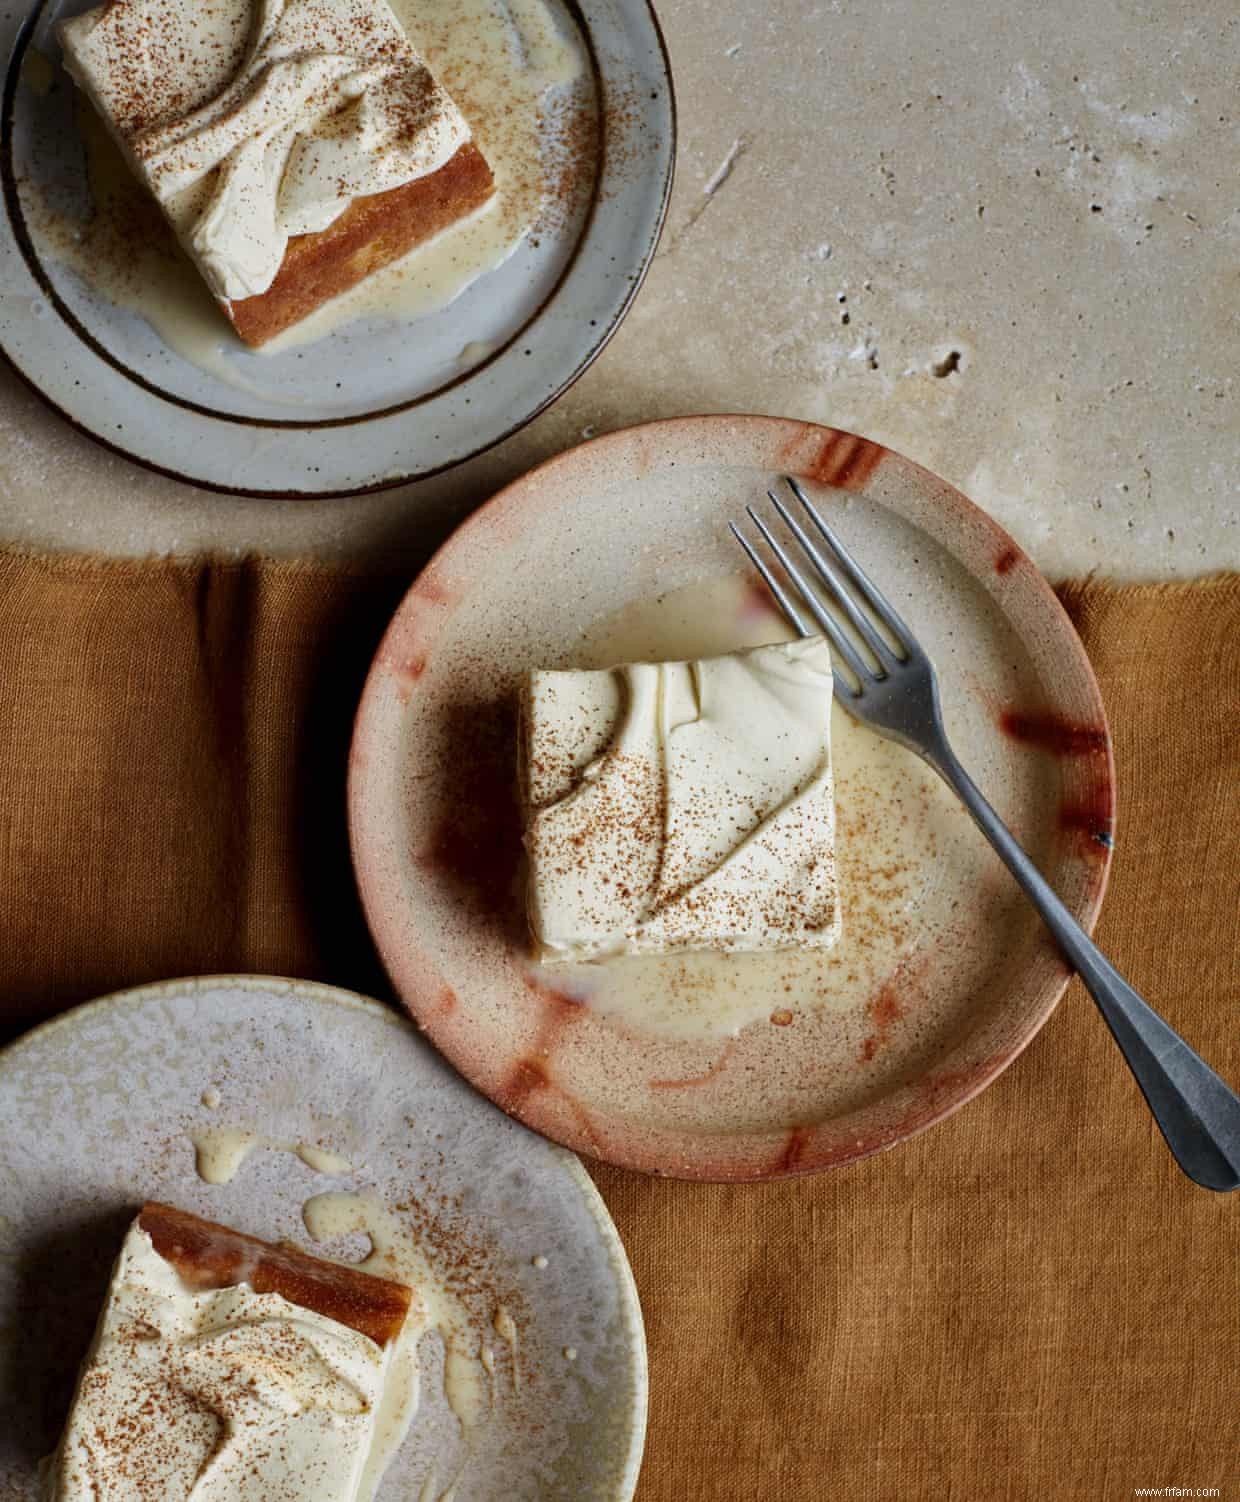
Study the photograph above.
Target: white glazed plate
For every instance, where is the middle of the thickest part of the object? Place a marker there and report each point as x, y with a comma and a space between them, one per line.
95, 1108
378, 401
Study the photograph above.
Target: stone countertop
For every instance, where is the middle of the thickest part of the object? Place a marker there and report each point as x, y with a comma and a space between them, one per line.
1003, 240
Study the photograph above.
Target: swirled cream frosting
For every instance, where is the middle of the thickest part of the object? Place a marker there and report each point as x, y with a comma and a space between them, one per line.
215, 1395
682, 805
255, 120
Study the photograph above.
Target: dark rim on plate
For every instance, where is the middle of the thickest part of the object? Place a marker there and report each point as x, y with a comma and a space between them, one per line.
17, 223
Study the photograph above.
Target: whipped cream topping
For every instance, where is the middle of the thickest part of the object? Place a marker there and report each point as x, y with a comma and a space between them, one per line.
255, 120
682, 805
218, 1395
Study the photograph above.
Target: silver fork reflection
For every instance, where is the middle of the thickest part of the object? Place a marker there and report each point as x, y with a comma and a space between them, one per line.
890, 685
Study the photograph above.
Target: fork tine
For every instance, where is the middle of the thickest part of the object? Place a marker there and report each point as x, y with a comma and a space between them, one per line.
829, 626
874, 596
831, 577
782, 597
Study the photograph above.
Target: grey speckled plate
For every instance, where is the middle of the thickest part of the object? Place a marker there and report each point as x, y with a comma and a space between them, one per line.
378, 402
94, 1112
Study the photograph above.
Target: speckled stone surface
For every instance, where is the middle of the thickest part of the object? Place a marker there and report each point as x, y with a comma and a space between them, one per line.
1000, 240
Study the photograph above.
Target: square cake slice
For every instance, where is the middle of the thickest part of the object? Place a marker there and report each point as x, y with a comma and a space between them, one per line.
295, 146
682, 805
225, 1367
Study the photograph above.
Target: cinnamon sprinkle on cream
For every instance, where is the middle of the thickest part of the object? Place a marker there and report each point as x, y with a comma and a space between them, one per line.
682, 805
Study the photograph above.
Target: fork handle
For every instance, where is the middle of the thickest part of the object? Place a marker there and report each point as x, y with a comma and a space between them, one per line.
1197, 1113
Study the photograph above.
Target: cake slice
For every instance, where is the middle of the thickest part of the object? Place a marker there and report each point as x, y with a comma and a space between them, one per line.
682, 805
295, 146
227, 1368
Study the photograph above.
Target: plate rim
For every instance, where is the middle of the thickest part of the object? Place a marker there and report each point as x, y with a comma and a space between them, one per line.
601, 338
569, 1161
848, 461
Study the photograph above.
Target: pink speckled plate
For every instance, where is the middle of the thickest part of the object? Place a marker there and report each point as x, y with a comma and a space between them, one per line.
620, 547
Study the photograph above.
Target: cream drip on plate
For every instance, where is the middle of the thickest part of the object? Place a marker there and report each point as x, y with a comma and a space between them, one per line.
216, 1395
220, 1152
322, 1159
395, 1253
505, 1327
251, 123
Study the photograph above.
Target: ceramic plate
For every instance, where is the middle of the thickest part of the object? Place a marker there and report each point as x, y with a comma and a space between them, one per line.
751, 1067
95, 1112
376, 402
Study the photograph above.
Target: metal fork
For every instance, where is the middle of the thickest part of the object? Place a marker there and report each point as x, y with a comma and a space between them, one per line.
896, 693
